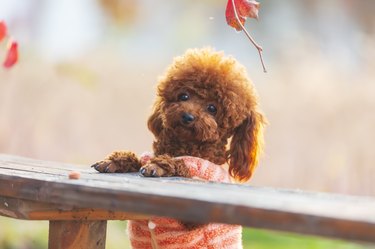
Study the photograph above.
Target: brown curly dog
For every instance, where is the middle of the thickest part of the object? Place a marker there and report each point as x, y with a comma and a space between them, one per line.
204, 100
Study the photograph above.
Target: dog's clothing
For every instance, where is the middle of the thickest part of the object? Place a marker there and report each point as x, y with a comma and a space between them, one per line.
167, 233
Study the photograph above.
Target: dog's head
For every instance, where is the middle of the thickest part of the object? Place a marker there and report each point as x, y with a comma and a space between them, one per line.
205, 97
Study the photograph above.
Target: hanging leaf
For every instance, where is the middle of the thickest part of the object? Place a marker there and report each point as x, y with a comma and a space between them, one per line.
3, 30
12, 55
245, 8
237, 12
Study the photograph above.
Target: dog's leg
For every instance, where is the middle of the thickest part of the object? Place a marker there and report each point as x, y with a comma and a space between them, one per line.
118, 162
164, 165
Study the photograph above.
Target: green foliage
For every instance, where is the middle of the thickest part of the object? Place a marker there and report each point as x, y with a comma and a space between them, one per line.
264, 239
20, 234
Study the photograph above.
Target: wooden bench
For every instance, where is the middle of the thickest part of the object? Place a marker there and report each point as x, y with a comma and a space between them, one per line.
78, 210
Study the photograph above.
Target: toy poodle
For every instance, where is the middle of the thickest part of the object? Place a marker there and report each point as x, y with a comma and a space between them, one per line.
206, 124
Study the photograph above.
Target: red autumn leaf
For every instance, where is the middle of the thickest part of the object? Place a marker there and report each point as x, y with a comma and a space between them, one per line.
244, 9
237, 12
12, 55
3, 30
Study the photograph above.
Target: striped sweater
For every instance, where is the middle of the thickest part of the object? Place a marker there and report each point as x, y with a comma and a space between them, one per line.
168, 233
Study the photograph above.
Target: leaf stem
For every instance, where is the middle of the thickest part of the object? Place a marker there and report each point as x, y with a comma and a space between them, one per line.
259, 48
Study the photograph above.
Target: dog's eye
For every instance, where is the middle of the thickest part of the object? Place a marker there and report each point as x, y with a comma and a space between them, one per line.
183, 97
211, 109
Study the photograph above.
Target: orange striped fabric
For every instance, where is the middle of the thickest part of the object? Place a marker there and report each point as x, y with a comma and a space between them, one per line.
168, 233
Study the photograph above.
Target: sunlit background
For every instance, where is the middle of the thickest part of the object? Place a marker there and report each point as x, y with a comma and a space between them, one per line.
85, 83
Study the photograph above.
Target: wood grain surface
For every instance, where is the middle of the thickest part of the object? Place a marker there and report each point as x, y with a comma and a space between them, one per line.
44, 187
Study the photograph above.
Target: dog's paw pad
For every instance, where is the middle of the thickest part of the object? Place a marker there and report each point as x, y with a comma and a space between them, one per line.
152, 170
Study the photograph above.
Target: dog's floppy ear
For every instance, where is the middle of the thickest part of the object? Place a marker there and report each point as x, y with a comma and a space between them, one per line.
155, 123
246, 146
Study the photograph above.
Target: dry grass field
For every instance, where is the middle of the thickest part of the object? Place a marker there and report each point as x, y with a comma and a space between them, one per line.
320, 135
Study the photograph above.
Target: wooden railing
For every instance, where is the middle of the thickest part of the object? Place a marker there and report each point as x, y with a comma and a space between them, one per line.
78, 210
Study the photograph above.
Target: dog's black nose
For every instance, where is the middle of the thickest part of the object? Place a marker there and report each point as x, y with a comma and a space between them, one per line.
187, 118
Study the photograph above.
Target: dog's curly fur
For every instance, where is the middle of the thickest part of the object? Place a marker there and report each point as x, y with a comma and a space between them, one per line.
206, 107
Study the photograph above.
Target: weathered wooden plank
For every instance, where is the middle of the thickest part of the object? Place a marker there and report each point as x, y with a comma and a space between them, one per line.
33, 210
77, 234
338, 216
10, 160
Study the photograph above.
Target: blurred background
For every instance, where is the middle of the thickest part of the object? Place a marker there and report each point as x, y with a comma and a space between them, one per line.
85, 84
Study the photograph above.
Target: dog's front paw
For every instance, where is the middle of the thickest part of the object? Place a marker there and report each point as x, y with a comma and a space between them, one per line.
153, 170
105, 166
118, 162
164, 165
